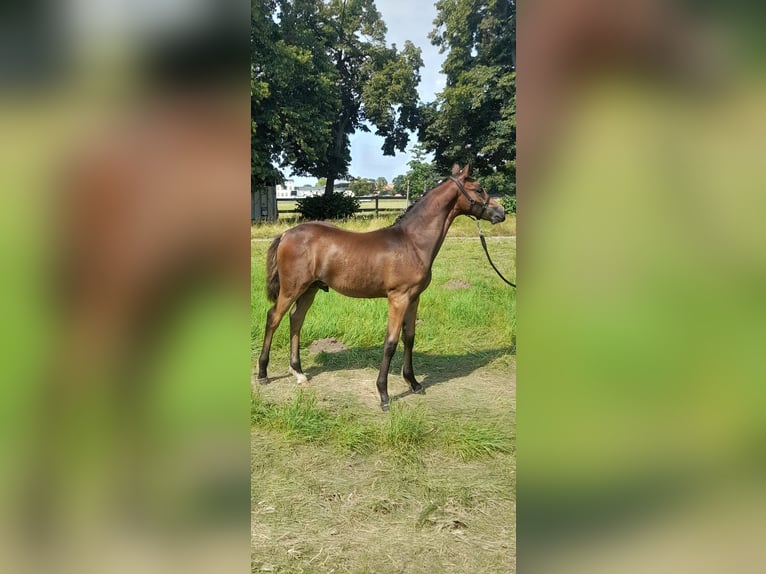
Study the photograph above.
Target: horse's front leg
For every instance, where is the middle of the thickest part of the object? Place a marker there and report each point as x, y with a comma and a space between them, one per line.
397, 307
408, 337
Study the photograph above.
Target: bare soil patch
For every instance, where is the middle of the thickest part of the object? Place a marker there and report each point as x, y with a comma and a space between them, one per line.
327, 345
457, 284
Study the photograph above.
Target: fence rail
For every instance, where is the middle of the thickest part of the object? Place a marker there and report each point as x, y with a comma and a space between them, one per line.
367, 204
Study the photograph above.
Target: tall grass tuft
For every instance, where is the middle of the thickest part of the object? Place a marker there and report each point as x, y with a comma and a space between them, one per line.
350, 434
406, 428
470, 440
299, 419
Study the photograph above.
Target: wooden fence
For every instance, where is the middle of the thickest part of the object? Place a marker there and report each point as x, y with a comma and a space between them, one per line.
367, 204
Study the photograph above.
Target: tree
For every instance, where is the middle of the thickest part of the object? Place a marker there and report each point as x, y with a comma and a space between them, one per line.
400, 185
377, 84
477, 108
263, 32
361, 186
294, 94
320, 71
380, 184
422, 175
321, 182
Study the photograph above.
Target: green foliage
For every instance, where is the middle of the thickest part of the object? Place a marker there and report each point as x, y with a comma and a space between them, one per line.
497, 183
477, 108
422, 175
320, 72
293, 88
361, 186
377, 83
321, 207
400, 184
509, 203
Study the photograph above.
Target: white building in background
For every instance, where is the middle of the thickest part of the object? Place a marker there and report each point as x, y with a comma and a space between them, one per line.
286, 190
308, 191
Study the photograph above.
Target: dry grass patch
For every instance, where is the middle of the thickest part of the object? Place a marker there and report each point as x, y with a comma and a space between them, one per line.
322, 511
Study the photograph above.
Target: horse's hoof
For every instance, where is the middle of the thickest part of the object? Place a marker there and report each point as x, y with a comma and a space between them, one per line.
384, 407
263, 380
300, 378
418, 389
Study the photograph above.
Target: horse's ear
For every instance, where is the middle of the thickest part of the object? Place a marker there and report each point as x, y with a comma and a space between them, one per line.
456, 169
467, 169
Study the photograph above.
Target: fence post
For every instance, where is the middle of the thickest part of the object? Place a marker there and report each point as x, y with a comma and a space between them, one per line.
376, 206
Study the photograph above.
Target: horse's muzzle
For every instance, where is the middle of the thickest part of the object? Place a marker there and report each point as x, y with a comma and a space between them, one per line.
498, 215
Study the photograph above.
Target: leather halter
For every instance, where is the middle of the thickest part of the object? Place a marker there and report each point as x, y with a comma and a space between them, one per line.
471, 201
484, 205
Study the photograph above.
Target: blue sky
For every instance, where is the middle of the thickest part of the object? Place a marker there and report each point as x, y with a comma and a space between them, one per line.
406, 20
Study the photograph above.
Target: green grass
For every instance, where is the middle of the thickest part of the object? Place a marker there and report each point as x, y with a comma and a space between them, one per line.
406, 431
337, 485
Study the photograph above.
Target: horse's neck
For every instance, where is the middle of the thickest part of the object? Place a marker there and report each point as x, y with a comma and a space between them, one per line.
428, 224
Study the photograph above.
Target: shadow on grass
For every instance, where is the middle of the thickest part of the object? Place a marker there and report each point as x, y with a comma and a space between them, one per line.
430, 369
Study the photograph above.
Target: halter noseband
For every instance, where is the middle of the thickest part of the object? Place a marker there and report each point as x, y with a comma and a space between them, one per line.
471, 201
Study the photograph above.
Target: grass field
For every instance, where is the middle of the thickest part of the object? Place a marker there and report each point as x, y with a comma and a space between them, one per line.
338, 486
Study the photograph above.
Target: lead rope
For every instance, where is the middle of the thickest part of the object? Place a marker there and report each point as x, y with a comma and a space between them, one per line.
484, 245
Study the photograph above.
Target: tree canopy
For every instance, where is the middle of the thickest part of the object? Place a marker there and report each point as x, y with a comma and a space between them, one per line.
321, 70
421, 176
477, 107
361, 186
294, 95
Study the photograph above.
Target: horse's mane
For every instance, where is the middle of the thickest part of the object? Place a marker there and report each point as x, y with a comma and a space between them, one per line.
410, 207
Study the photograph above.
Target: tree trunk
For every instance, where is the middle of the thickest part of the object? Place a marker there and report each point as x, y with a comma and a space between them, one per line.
329, 186
337, 152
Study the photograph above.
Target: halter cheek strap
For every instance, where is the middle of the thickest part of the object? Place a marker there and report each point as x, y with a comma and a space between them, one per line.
471, 201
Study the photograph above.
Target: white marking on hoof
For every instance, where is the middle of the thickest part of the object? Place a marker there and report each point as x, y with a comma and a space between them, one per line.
300, 377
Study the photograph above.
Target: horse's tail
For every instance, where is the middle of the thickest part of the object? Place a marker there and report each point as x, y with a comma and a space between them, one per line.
272, 273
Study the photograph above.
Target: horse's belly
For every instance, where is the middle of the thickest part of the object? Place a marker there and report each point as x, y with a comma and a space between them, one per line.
360, 292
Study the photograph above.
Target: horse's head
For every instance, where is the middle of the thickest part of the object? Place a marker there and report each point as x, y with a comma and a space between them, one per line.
472, 199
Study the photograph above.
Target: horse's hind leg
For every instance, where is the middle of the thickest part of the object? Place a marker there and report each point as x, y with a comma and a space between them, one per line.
273, 318
408, 338
297, 315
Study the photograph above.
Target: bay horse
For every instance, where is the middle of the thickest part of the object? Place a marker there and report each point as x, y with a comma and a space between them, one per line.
393, 262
